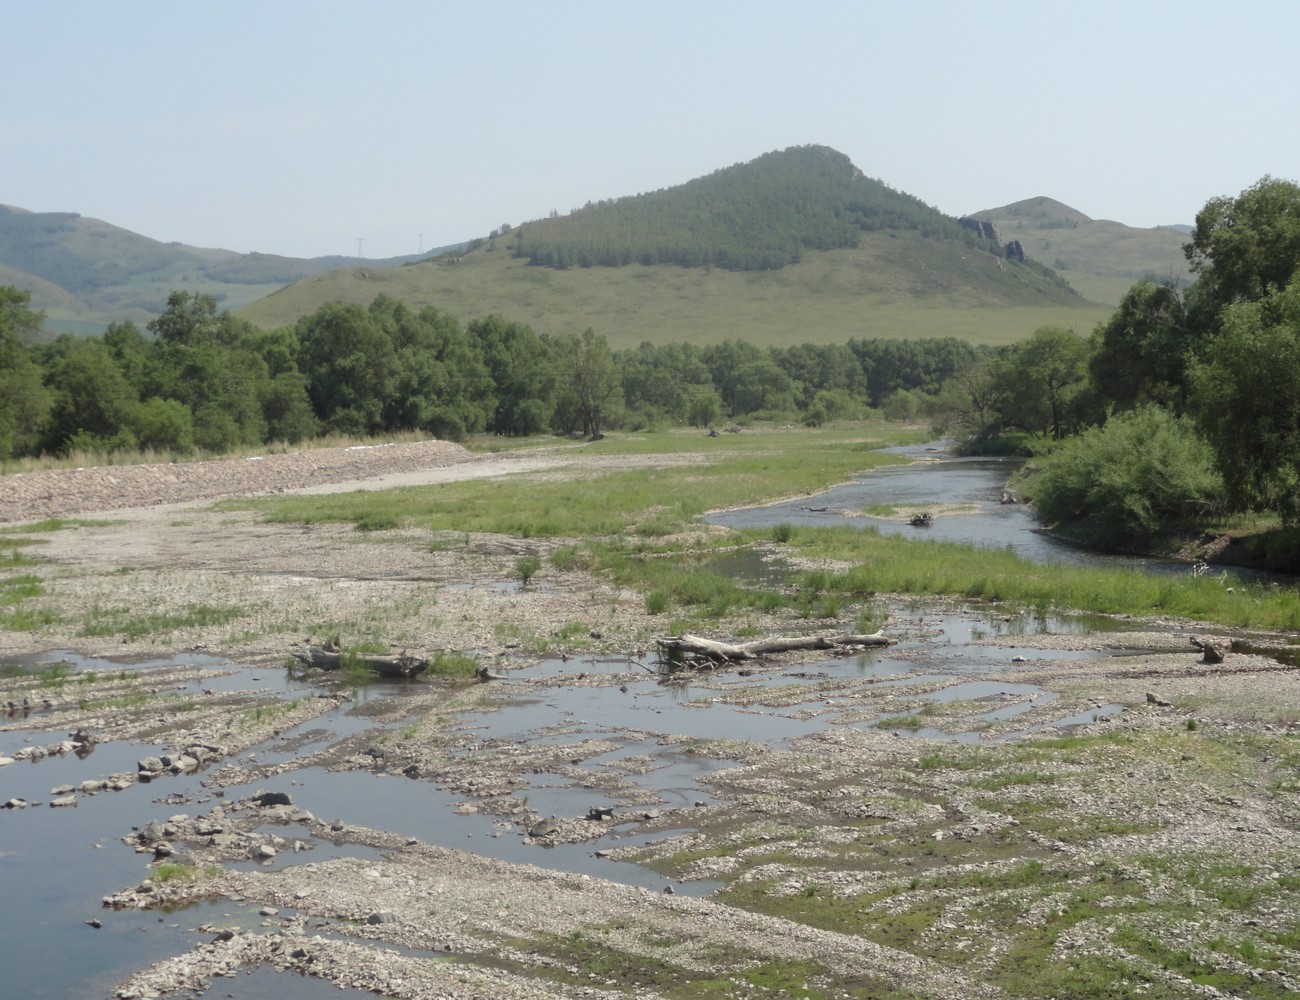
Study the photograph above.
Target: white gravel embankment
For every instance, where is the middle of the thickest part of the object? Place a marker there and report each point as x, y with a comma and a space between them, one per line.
27, 496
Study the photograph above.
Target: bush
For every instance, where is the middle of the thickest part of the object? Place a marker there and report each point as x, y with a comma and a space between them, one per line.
1143, 475
526, 568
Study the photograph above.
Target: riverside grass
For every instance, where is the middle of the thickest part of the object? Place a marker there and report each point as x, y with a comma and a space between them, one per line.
640, 526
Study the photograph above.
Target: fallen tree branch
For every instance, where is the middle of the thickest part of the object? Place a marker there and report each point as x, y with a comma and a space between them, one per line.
386, 666
679, 648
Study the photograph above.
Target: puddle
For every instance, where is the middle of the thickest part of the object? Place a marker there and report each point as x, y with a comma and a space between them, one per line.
268, 983
628, 729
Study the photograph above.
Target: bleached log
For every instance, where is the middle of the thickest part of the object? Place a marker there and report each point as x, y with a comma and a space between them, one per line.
678, 647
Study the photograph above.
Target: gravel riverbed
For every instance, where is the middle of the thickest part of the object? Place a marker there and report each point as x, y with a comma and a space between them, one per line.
859, 862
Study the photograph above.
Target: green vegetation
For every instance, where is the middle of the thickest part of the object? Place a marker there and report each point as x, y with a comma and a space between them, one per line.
131, 623
756, 216
1201, 377
527, 567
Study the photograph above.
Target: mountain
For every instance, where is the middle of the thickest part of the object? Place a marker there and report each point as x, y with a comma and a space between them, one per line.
797, 245
85, 273
1102, 259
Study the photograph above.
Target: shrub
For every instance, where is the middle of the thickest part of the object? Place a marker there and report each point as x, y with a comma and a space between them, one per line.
526, 568
1144, 474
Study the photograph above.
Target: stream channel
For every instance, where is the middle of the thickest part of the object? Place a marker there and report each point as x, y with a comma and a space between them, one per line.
56, 864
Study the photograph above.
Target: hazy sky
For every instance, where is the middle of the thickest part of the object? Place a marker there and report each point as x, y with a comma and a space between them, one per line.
298, 126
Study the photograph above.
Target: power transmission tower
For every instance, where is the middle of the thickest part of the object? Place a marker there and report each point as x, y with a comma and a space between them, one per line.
360, 241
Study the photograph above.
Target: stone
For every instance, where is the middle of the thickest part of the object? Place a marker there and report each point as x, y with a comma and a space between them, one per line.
382, 917
273, 799
66, 800
149, 765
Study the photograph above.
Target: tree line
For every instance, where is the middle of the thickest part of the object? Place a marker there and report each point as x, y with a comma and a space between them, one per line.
199, 380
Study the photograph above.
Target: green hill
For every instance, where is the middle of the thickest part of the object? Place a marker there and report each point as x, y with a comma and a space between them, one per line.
1101, 259
85, 273
794, 246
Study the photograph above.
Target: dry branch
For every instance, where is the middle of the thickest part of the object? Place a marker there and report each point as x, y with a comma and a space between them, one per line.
676, 648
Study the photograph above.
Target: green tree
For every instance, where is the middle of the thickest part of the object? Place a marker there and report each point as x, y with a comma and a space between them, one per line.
1041, 379
349, 364
1140, 355
523, 369
1248, 402
593, 378
93, 403
164, 425
1247, 247
24, 400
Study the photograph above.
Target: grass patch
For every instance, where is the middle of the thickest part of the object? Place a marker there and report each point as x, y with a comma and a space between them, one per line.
658, 500
127, 622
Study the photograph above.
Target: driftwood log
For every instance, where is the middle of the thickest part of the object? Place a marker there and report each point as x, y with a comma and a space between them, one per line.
1211, 652
386, 666
679, 648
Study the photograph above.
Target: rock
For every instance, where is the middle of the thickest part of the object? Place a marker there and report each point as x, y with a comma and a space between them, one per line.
15, 804
382, 917
150, 765
66, 800
5, 761
61, 790
1153, 699
263, 852
543, 827
273, 799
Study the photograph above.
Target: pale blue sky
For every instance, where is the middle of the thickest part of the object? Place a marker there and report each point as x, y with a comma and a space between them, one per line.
297, 126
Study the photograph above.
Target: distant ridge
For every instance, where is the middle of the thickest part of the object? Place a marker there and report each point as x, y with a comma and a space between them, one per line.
1102, 259
85, 273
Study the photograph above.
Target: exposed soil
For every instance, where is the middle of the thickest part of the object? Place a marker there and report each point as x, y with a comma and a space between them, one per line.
860, 863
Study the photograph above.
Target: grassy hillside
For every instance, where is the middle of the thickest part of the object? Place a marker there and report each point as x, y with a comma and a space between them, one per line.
85, 273
1101, 259
894, 284
794, 246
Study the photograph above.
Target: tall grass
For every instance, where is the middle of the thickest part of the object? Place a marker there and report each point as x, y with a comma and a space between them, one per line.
885, 565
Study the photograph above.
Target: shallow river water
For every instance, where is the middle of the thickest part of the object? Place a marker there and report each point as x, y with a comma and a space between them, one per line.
56, 864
